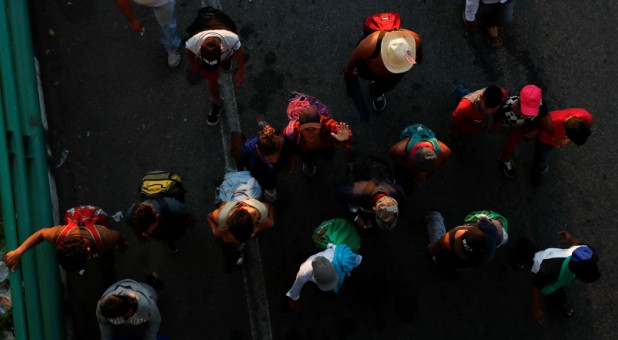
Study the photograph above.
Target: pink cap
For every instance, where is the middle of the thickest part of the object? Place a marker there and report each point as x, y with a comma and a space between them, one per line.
530, 100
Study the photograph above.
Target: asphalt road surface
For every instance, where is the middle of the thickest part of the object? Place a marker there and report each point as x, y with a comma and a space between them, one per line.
114, 105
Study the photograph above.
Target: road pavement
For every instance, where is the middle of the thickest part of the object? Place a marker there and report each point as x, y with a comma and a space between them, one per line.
113, 103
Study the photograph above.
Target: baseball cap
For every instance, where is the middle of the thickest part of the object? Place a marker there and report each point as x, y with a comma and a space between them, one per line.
309, 118
424, 159
398, 51
473, 242
324, 273
530, 100
211, 55
387, 211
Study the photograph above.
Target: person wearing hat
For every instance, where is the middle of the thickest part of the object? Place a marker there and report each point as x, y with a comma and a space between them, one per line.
524, 115
165, 13
316, 136
383, 58
327, 269
562, 127
500, 15
210, 51
556, 268
466, 246
129, 303
373, 201
418, 152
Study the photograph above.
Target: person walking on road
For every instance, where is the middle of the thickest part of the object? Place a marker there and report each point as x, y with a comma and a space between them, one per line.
165, 13
210, 50
383, 58
555, 268
129, 303
500, 15
326, 269
469, 245
474, 110
562, 127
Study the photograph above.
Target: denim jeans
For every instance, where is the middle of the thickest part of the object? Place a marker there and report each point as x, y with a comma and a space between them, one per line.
435, 226
166, 17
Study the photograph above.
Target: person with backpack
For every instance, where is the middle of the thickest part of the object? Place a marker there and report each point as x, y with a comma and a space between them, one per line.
265, 155
210, 48
83, 236
165, 13
475, 109
240, 216
466, 246
313, 131
161, 213
418, 152
384, 55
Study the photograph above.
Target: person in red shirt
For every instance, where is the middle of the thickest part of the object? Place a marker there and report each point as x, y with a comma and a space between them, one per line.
474, 108
563, 127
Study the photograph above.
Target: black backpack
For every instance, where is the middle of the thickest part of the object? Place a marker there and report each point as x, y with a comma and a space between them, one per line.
210, 18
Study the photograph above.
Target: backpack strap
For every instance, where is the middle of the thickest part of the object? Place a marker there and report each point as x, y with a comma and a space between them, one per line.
378, 49
96, 236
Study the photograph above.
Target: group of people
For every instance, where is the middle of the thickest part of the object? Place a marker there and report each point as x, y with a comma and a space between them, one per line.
373, 192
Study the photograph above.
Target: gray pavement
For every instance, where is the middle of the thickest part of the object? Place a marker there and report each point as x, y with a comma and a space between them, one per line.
112, 102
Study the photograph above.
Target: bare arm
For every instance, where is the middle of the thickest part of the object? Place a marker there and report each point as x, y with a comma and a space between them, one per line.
269, 222
442, 244
213, 221
537, 312
362, 52
445, 151
12, 258
567, 238
398, 153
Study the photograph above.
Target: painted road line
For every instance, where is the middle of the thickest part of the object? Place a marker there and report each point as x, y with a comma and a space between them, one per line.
255, 292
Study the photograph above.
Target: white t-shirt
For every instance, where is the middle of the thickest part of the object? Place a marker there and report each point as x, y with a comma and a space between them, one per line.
152, 3
305, 273
229, 42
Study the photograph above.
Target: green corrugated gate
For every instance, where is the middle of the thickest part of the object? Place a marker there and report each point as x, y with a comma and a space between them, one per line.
24, 184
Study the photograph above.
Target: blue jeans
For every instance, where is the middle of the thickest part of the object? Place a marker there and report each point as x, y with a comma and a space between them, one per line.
166, 17
540, 160
435, 226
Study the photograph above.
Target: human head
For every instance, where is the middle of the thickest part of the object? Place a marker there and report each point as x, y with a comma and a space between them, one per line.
492, 98
269, 144
240, 223
309, 121
387, 211
398, 51
324, 273
583, 264
115, 306
473, 243
210, 52
424, 159
73, 253
530, 100
577, 130
143, 217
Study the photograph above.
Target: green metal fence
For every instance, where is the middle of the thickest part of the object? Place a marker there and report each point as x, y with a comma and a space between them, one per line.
24, 185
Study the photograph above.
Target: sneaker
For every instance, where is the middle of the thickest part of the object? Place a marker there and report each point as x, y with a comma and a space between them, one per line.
153, 280
509, 169
214, 114
270, 195
172, 247
309, 169
379, 103
226, 65
492, 31
173, 58
241, 255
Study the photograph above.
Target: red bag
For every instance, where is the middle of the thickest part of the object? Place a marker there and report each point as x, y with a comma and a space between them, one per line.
381, 22
84, 216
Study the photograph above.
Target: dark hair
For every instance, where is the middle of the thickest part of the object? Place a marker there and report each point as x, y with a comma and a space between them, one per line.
268, 142
240, 223
143, 216
493, 96
115, 306
73, 253
577, 130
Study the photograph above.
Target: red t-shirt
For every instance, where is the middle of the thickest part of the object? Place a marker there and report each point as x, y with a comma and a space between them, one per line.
558, 137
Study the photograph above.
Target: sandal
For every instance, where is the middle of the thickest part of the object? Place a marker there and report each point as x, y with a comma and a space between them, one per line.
568, 310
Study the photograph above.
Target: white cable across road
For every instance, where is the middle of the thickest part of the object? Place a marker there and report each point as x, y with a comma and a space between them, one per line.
255, 292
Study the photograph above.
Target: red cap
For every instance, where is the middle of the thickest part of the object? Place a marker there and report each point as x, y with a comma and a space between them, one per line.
530, 100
